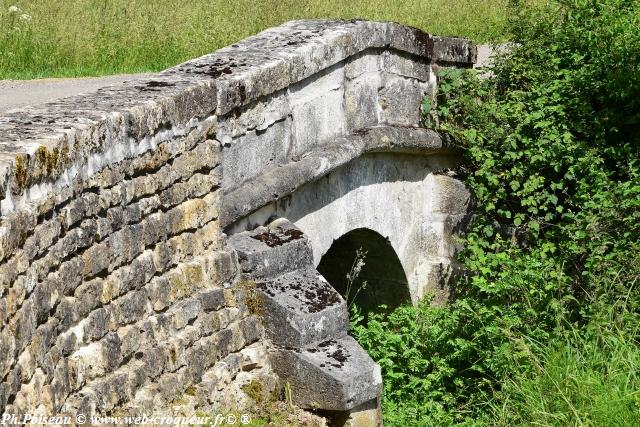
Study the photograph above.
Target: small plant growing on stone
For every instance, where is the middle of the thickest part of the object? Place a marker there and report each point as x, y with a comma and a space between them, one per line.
190, 391
352, 276
252, 298
288, 396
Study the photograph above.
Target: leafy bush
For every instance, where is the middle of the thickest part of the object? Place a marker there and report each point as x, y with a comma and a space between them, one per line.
553, 151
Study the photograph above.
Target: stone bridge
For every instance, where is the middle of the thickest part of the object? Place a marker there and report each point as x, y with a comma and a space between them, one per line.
161, 240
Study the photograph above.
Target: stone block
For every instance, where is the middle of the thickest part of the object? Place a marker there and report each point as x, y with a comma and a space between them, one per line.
361, 101
400, 100
336, 375
212, 300
317, 109
254, 356
406, 65
259, 116
366, 62
97, 258
184, 312
68, 312
369, 414
158, 293
448, 195
96, 325
129, 308
300, 307
220, 267
255, 152
273, 250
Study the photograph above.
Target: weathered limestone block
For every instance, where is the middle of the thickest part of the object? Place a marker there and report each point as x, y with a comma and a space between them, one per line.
362, 107
400, 99
366, 62
368, 414
301, 308
30, 395
449, 195
336, 375
318, 110
14, 231
257, 117
271, 251
405, 65
256, 151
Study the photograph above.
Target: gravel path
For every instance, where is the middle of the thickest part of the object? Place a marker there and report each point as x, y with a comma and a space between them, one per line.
21, 93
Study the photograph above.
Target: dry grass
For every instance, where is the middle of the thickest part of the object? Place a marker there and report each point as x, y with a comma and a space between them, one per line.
97, 37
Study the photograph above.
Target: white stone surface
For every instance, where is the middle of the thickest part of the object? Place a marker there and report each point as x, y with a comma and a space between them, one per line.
398, 196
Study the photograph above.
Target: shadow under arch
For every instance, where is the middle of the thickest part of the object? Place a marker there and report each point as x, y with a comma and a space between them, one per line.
382, 270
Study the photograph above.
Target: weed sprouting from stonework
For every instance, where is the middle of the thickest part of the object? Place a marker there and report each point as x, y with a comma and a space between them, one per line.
352, 276
288, 395
252, 299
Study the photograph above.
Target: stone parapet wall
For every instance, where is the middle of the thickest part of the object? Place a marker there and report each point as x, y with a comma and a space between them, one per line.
118, 291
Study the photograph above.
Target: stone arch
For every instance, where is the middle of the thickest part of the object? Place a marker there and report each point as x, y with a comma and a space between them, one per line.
381, 270
401, 197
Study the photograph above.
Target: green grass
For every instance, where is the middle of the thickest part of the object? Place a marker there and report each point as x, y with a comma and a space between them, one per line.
98, 37
591, 378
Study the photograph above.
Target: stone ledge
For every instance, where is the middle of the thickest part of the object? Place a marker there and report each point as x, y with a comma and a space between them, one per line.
271, 251
302, 308
306, 323
281, 181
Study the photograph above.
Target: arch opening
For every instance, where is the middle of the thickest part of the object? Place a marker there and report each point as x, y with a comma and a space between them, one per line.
380, 277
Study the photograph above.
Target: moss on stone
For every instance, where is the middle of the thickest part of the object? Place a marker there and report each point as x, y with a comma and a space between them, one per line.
252, 299
46, 160
254, 390
64, 154
193, 273
185, 281
21, 173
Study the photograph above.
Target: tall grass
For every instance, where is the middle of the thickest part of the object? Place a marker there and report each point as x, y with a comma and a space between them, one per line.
94, 37
589, 378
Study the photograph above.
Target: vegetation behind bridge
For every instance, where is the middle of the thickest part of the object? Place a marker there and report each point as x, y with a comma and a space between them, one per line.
545, 325
52, 38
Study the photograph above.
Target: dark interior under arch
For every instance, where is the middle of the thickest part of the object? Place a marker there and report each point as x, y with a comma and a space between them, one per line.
386, 281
